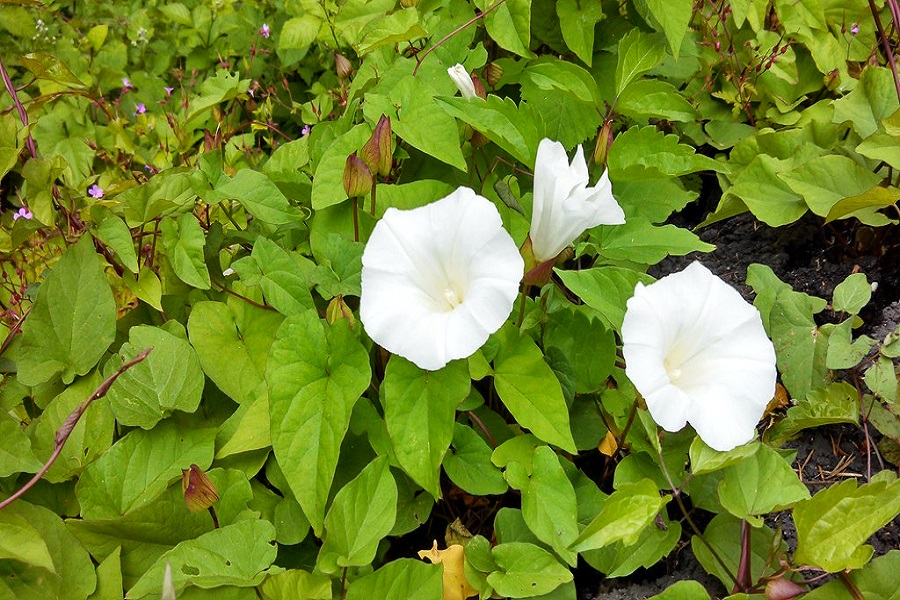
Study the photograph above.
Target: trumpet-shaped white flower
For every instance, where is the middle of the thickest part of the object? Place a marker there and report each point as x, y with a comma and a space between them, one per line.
564, 206
438, 280
463, 80
698, 354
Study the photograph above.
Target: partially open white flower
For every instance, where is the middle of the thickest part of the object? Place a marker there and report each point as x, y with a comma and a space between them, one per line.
463, 80
564, 206
698, 353
438, 280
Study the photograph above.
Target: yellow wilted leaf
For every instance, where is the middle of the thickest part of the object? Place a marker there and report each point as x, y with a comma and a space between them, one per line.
456, 586
608, 444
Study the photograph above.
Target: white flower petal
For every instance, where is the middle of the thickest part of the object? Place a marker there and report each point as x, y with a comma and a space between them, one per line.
564, 207
463, 80
698, 352
438, 280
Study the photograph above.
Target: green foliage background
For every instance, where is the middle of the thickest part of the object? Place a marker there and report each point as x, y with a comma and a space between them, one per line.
225, 241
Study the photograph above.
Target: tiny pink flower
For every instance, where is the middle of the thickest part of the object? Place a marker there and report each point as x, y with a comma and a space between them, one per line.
95, 191
306, 129
126, 84
22, 213
141, 109
854, 29
265, 31
169, 91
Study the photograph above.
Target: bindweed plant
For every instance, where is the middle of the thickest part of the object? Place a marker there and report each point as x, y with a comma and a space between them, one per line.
317, 299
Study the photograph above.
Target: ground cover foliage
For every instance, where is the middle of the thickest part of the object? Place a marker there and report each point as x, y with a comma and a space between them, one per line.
182, 274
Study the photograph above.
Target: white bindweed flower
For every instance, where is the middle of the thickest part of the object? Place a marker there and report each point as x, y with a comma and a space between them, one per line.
438, 280
564, 206
698, 354
463, 80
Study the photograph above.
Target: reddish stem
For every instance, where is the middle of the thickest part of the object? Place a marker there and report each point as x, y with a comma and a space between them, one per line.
65, 430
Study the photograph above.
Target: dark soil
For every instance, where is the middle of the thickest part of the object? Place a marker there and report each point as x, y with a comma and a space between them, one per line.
812, 258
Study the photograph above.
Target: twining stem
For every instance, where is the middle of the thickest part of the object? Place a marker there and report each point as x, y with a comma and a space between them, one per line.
851, 587
481, 426
343, 583
743, 583
14, 331
480, 15
895, 12
620, 440
23, 114
355, 219
231, 292
65, 430
676, 493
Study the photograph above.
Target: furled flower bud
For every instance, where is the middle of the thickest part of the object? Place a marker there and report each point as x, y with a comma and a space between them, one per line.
338, 309
493, 72
357, 177
479, 87
783, 589
604, 141
463, 80
833, 80
377, 152
478, 139
168, 586
342, 66
199, 491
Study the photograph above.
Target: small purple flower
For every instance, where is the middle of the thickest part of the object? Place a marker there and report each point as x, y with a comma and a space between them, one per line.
126, 84
95, 191
854, 29
140, 109
265, 31
169, 91
22, 213
306, 129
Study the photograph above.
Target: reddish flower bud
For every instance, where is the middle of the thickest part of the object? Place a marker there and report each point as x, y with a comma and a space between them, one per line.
479, 86
783, 589
342, 66
357, 177
199, 491
377, 153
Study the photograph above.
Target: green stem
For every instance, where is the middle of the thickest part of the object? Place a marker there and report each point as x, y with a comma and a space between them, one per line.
355, 219
676, 493
525, 288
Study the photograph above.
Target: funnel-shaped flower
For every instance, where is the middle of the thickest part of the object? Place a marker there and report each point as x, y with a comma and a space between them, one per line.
564, 206
438, 280
463, 81
698, 353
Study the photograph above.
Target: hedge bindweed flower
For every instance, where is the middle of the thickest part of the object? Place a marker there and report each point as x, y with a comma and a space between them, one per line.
438, 280
698, 354
22, 213
564, 206
463, 81
95, 191
265, 31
